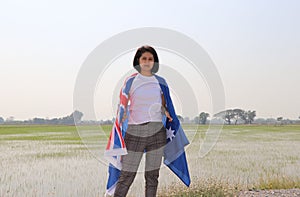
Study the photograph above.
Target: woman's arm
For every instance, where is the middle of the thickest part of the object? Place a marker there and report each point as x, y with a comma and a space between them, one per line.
163, 107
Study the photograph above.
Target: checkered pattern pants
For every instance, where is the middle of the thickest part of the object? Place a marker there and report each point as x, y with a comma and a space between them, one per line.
152, 137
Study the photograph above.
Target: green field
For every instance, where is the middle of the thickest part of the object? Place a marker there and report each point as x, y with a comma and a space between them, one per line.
42, 160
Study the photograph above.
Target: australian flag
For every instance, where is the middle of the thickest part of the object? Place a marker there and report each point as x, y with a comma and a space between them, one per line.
174, 153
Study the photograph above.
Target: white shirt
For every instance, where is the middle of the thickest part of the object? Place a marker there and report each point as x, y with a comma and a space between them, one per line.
145, 100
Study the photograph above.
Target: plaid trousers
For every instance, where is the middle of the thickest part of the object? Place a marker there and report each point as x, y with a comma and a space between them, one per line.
152, 137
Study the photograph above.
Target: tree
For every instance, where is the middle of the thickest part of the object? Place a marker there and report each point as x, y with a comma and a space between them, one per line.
39, 121
186, 119
10, 119
227, 115
248, 116
73, 118
230, 114
76, 115
1, 120
203, 117
251, 116
197, 120
238, 114
279, 119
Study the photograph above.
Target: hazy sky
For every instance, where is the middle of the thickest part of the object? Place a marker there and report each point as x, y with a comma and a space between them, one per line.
254, 44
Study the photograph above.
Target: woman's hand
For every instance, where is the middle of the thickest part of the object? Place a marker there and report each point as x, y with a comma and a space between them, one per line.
168, 115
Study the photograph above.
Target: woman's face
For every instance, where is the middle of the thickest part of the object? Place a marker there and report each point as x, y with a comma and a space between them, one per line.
146, 61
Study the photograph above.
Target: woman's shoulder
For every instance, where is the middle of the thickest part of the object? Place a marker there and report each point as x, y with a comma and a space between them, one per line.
159, 77
130, 77
161, 80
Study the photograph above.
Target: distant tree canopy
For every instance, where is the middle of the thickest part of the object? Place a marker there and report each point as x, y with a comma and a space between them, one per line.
1, 120
229, 116
248, 116
73, 118
235, 115
203, 117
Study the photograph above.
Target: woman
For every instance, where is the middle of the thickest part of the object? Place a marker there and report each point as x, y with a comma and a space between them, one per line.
145, 131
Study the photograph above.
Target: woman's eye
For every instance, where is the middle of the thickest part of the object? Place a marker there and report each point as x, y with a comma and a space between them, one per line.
145, 58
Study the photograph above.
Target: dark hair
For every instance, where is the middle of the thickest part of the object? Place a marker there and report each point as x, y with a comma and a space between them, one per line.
139, 53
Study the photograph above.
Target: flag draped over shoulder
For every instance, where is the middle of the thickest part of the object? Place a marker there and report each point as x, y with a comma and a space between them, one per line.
174, 153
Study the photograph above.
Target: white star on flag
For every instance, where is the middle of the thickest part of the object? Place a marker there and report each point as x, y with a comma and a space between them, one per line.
170, 133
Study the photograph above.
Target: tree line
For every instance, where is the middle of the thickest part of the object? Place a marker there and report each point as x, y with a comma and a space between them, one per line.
240, 116
228, 116
71, 119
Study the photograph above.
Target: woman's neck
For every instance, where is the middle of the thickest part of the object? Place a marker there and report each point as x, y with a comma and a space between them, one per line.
146, 73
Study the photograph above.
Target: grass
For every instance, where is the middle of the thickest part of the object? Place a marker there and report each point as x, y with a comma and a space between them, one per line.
23, 129
277, 181
65, 133
245, 157
52, 155
208, 188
